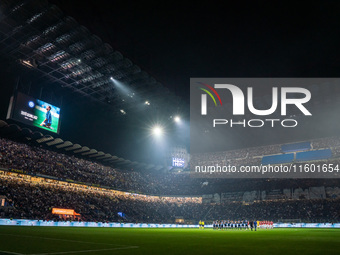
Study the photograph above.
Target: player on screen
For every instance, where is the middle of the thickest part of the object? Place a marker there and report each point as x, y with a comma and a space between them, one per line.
48, 119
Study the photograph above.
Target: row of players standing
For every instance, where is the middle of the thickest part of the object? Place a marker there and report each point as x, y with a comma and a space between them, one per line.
240, 224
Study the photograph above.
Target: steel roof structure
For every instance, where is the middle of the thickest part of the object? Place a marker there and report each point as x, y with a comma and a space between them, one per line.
53, 48
58, 50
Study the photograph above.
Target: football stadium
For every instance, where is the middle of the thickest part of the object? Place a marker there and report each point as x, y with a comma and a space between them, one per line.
170, 128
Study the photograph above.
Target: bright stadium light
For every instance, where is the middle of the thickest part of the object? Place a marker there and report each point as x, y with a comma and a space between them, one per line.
157, 130
177, 119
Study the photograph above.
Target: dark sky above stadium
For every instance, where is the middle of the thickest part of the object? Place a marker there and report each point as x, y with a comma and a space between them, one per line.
174, 41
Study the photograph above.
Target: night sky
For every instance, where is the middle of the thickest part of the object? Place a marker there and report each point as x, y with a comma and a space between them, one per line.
175, 41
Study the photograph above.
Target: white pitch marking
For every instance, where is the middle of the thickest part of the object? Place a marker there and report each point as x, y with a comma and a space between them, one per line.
84, 251
66, 240
11, 252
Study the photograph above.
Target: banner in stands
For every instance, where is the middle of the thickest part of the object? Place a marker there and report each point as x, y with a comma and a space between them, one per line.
64, 211
306, 225
18, 222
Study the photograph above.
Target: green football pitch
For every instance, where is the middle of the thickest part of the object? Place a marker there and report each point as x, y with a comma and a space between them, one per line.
102, 241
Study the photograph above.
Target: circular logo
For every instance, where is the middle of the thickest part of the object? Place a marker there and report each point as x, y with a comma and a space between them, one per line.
31, 104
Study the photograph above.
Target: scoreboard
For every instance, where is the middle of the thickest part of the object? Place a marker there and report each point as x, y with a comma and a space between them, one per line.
178, 162
34, 112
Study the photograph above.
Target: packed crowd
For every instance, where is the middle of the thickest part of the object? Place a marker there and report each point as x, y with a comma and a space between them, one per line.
248, 156
305, 210
32, 200
37, 160
324, 143
253, 156
35, 200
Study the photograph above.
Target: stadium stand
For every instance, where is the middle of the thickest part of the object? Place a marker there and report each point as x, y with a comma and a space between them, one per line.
29, 199
303, 146
273, 154
35, 200
36, 160
278, 159
313, 155
46, 179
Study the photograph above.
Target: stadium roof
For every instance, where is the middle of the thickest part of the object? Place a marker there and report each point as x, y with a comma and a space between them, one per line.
55, 48
25, 134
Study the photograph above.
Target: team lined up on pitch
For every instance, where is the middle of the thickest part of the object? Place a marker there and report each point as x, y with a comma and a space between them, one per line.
242, 225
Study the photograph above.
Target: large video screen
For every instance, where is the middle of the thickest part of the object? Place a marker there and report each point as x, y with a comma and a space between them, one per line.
177, 162
34, 112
